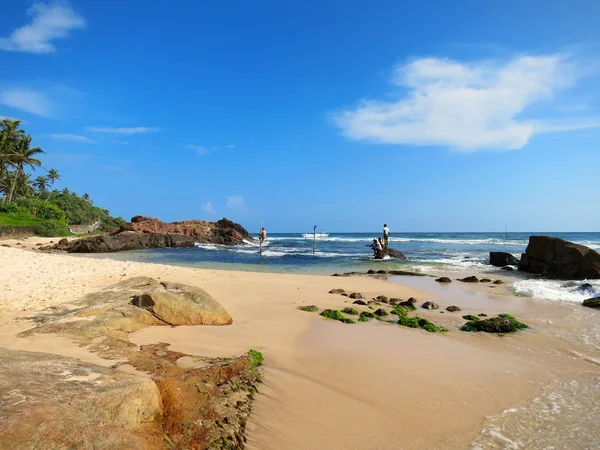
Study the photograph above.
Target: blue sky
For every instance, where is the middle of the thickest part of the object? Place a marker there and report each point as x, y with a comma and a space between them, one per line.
436, 116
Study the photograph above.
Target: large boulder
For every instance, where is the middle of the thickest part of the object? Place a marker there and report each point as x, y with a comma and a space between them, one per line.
396, 254
556, 258
113, 313
592, 302
147, 232
501, 259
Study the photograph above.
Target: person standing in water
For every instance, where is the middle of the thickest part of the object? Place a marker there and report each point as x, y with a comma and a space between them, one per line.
263, 235
386, 235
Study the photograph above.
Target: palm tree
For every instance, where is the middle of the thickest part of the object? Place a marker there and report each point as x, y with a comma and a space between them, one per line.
86, 197
23, 156
10, 135
41, 184
53, 176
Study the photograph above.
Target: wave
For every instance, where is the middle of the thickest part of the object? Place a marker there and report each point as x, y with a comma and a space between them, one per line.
564, 291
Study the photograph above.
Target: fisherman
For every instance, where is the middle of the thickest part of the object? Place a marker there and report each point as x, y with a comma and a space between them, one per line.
386, 235
263, 235
376, 246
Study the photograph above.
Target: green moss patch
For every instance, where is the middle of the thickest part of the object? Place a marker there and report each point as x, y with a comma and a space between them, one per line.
308, 308
503, 323
350, 311
256, 359
470, 317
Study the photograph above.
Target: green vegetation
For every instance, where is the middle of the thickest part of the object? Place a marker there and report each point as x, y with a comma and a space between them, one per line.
470, 317
498, 282
406, 272
308, 308
256, 359
347, 320
381, 312
415, 322
365, 316
503, 323
411, 322
35, 203
402, 309
350, 311
485, 280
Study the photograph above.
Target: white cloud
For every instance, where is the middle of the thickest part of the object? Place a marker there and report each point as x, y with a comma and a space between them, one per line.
123, 130
236, 203
27, 100
208, 208
200, 149
467, 106
230, 146
70, 137
49, 21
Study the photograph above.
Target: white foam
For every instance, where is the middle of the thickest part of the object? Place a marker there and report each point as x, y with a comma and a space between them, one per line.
564, 291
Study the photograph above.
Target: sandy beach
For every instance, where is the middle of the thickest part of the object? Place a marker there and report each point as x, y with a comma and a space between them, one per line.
327, 384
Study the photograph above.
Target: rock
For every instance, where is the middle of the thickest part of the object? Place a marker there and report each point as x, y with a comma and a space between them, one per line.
407, 272
359, 302
370, 272
381, 312
508, 268
381, 272
559, 259
485, 280
585, 287
503, 323
396, 254
351, 311
498, 282
395, 301
453, 308
115, 312
430, 305
337, 291
54, 402
482, 315
146, 232
592, 302
382, 299
6, 245
500, 259
356, 295
471, 279
340, 275
444, 280
309, 308
410, 303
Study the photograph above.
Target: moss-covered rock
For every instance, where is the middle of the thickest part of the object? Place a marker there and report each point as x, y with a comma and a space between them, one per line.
381, 312
485, 280
452, 308
428, 326
356, 296
498, 282
350, 311
333, 314
308, 308
592, 302
359, 302
347, 320
410, 322
503, 323
471, 279
406, 272
470, 317
430, 305
444, 280
365, 316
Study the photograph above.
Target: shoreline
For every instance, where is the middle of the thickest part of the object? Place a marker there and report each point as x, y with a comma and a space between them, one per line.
326, 384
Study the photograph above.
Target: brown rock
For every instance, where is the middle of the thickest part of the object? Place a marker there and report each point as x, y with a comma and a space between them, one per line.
356, 295
430, 305
337, 291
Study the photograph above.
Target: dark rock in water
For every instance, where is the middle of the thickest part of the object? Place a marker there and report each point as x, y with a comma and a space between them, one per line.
453, 308
485, 280
381, 272
470, 317
559, 259
430, 305
356, 295
498, 282
359, 302
592, 302
471, 279
381, 312
146, 232
585, 287
396, 254
370, 272
508, 268
500, 259
337, 291
340, 275
444, 280
503, 323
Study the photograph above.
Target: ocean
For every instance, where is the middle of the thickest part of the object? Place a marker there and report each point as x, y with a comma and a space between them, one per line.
431, 253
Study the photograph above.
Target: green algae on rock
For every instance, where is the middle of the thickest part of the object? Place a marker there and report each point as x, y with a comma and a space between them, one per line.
351, 311
309, 308
503, 323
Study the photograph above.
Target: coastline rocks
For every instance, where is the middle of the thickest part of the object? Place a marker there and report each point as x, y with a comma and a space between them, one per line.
559, 259
471, 279
356, 296
452, 308
501, 259
359, 302
585, 287
396, 254
147, 232
443, 280
337, 291
50, 401
592, 302
503, 323
113, 313
430, 305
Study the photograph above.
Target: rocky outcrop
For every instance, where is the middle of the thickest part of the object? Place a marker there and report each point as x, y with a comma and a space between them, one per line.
443, 280
471, 279
430, 305
147, 232
395, 254
52, 402
501, 259
556, 258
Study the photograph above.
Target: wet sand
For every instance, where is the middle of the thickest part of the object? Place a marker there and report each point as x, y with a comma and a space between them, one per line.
328, 384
